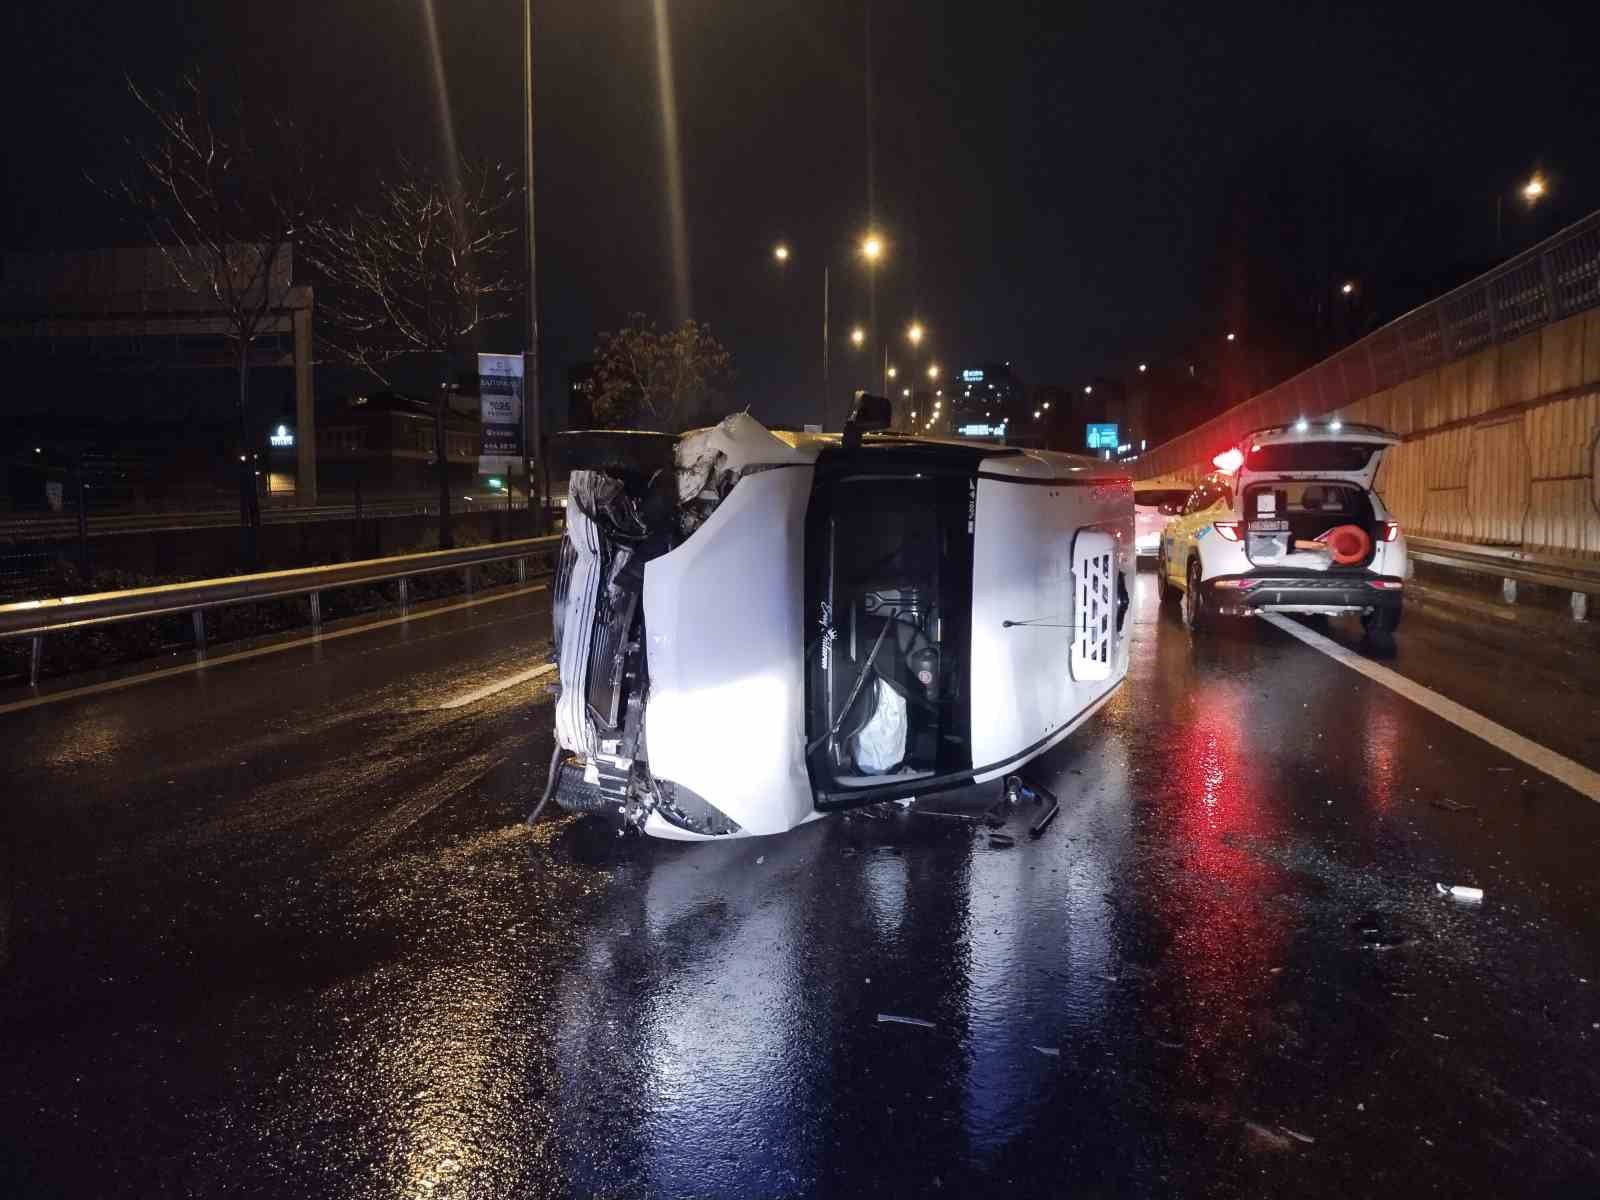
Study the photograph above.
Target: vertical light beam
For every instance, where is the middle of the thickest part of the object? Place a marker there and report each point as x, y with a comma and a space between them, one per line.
447, 123
669, 143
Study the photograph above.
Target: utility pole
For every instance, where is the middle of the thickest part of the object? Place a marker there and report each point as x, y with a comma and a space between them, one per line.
532, 416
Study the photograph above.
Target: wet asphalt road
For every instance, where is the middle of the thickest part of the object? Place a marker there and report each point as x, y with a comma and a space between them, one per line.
275, 928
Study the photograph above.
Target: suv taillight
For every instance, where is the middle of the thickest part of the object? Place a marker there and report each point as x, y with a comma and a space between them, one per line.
1388, 530
1229, 529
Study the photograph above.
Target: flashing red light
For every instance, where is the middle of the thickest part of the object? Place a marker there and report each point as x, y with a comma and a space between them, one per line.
1389, 530
1229, 529
1229, 461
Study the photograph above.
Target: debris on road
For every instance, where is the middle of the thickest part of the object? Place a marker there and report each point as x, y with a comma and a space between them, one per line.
1267, 1138
1049, 1051
1453, 805
760, 859
1001, 841
1472, 895
950, 816
1299, 1137
892, 1019
1038, 827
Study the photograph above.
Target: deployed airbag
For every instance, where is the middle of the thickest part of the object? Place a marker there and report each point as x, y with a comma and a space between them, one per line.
881, 744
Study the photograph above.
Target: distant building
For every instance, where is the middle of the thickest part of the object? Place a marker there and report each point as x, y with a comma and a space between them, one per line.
984, 398
384, 443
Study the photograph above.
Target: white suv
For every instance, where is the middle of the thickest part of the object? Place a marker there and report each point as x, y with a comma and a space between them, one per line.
1289, 523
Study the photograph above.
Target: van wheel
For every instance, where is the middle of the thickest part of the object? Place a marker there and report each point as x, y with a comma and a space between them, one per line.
1165, 592
1195, 617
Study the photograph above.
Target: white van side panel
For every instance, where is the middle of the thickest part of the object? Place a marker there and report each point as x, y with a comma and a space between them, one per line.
724, 630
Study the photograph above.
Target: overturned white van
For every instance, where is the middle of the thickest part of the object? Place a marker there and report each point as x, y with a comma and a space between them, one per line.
755, 629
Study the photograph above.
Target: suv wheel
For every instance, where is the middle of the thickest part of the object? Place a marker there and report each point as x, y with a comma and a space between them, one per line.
1379, 626
1165, 592
1195, 617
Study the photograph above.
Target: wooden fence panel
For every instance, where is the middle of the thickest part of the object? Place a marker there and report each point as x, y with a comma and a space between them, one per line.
1497, 481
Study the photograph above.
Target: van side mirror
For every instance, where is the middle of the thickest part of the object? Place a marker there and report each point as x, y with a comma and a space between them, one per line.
871, 413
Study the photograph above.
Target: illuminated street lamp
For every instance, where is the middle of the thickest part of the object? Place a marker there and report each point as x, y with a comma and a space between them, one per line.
781, 252
1533, 189
1348, 288
1046, 406
1037, 414
891, 372
914, 334
933, 370
1143, 367
1088, 389
858, 336
1230, 337
872, 247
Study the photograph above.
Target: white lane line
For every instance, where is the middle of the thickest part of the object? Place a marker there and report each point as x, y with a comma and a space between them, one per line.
113, 685
1575, 775
500, 685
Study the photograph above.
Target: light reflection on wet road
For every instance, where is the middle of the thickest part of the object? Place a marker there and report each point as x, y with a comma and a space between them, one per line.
276, 929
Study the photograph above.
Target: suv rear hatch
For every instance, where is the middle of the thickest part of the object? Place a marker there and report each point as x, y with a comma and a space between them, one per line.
1300, 482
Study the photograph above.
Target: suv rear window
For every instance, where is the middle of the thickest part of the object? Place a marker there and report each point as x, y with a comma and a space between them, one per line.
1310, 456
1155, 497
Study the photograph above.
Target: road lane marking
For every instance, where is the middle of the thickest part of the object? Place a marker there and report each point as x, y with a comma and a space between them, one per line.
113, 685
1575, 775
500, 685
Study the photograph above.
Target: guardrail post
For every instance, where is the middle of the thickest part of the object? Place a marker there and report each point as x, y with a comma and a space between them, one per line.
522, 570
199, 616
35, 654
83, 523
1580, 606
316, 612
405, 595
1508, 590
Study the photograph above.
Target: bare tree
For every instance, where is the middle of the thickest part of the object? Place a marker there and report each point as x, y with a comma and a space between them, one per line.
649, 379
223, 203
416, 272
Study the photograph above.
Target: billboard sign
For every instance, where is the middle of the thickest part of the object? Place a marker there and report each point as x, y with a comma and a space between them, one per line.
1102, 437
970, 376
500, 410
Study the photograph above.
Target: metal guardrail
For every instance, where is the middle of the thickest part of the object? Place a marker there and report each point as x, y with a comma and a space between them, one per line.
1547, 283
34, 619
1512, 566
53, 525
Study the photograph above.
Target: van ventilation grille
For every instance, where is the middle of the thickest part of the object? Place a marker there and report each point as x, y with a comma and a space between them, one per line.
1094, 608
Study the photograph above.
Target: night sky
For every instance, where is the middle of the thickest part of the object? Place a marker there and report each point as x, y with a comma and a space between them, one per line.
1071, 187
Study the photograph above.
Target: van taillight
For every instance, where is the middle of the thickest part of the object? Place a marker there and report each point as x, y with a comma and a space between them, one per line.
1389, 530
1229, 529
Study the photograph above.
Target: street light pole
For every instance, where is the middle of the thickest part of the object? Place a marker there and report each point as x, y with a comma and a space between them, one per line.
824, 417
532, 417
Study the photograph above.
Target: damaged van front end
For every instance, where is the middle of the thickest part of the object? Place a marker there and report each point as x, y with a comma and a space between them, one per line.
662, 702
